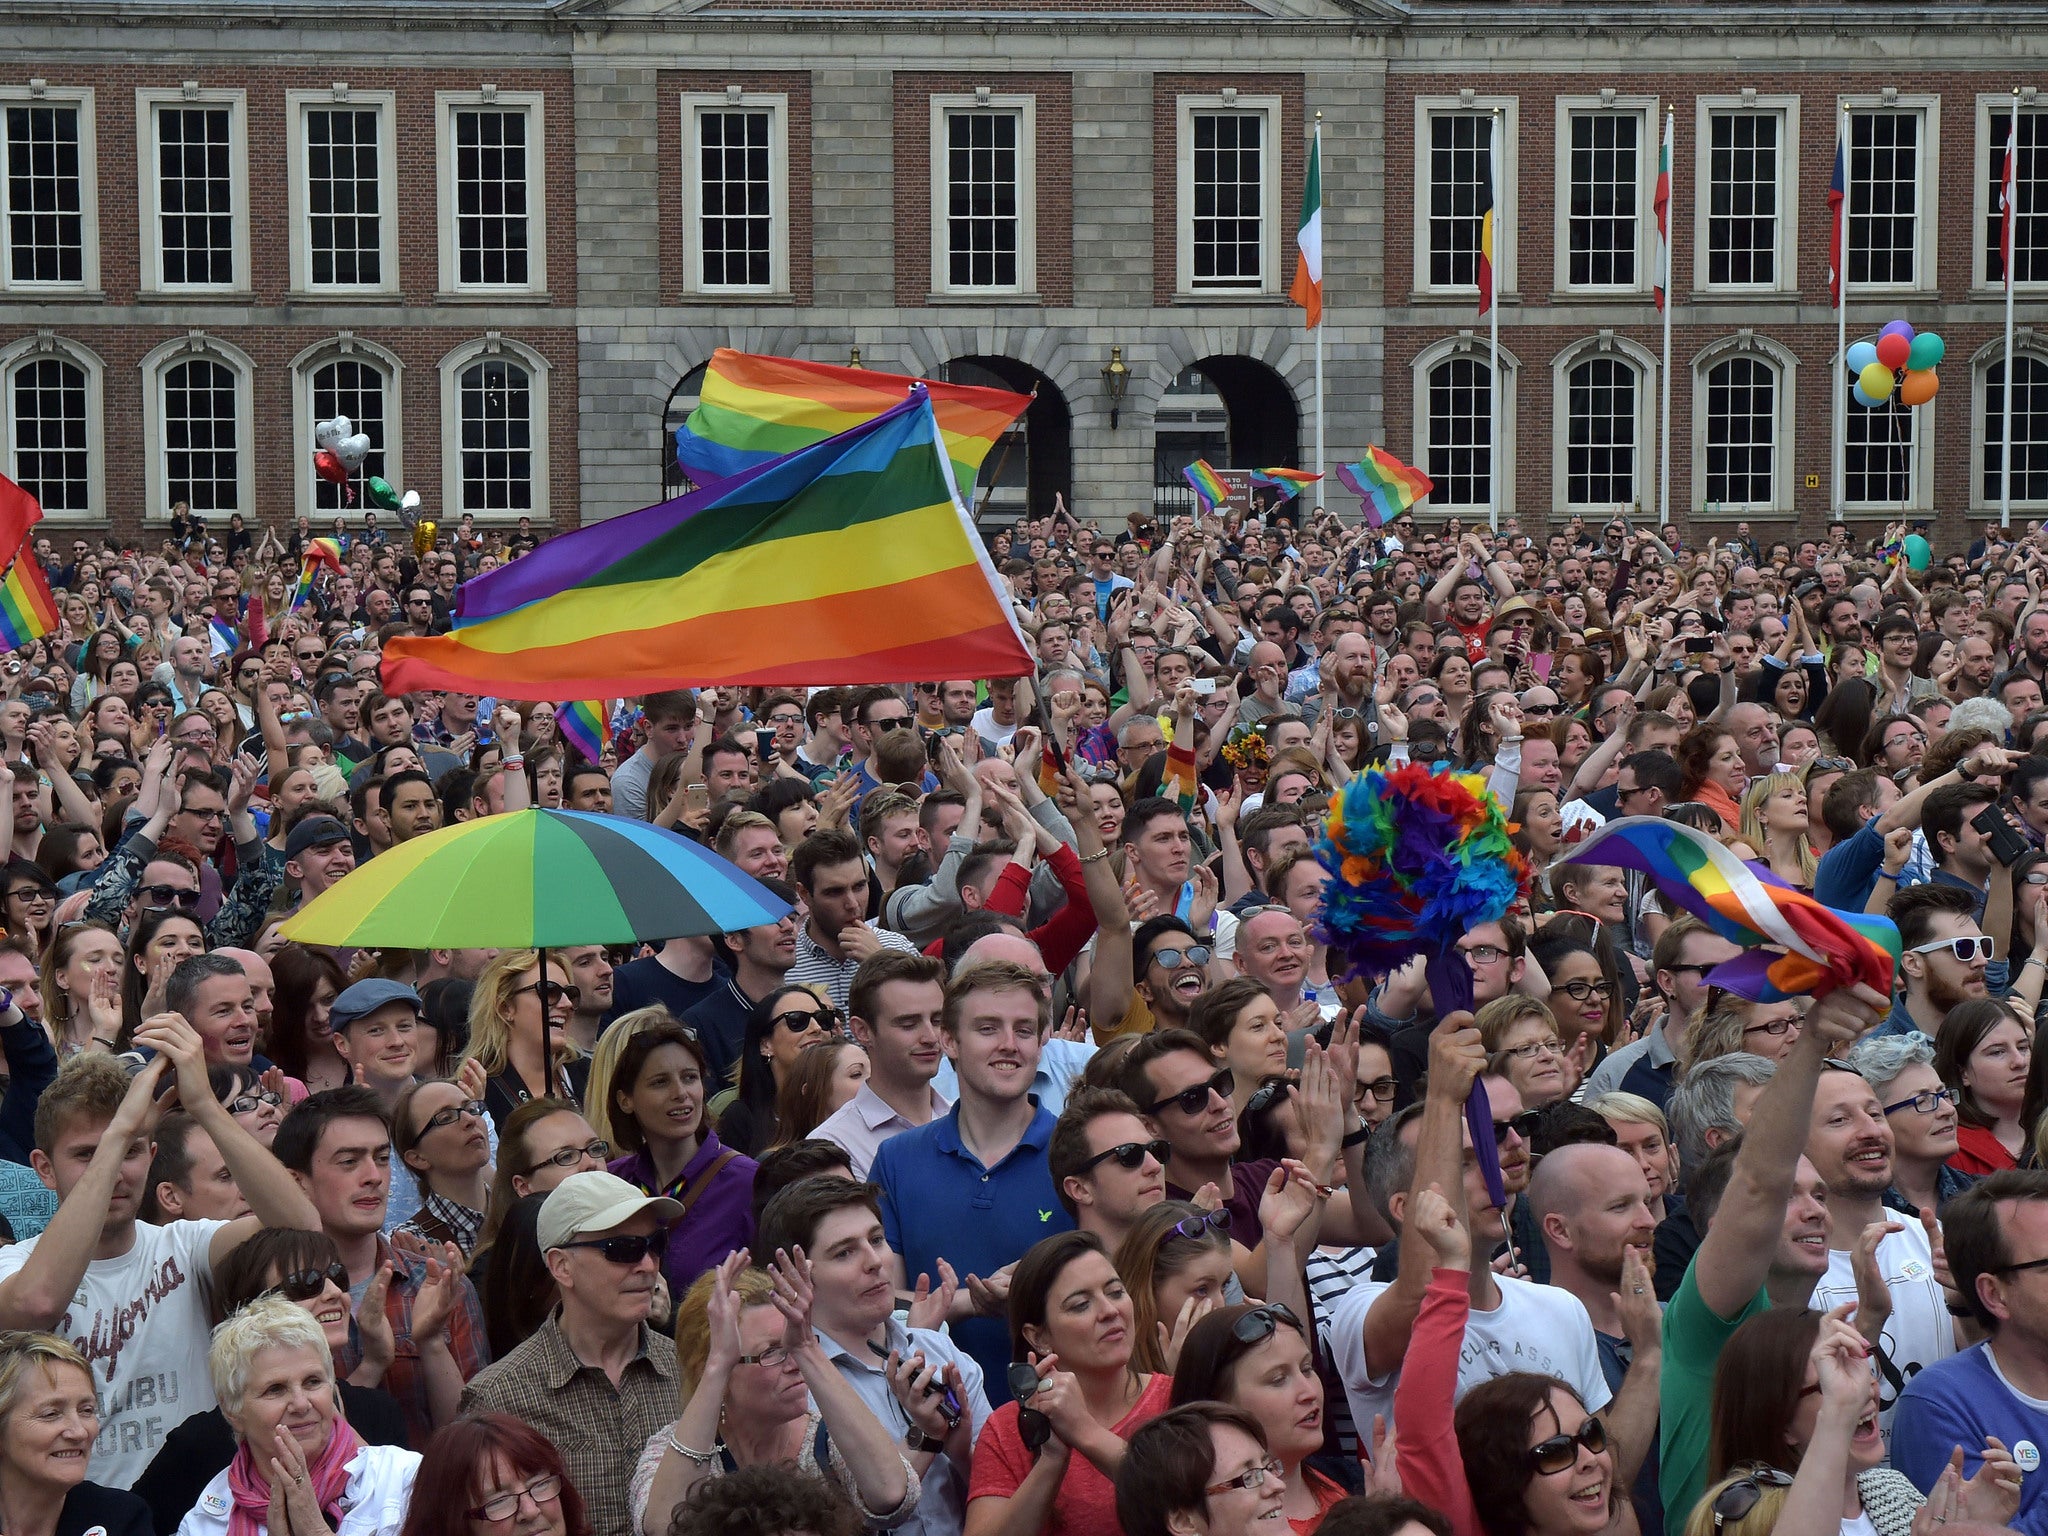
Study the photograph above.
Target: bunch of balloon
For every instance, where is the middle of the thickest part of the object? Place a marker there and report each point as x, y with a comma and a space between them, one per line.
338, 452
382, 495
1901, 359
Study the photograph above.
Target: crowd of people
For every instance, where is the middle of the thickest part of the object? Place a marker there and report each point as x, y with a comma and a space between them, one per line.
1042, 1170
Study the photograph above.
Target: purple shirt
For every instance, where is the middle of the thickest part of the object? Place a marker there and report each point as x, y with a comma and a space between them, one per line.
720, 1220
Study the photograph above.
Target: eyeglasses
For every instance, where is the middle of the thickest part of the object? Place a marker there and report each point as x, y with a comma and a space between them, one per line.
1548, 1046
1560, 1453
628, 1250
1380, 1088
1249, 1479
33, 893
474, 1108
1482, 954
1925, 1102
771, 1357
1192, 1101
1131, 1155
783, 719
541, 1490
1200, 1226
249, 1103
1967, 950
1522, 1125
796, 1021
1194, 954
551, 992
1580, 991
305, 1284
1347, 713
167, 895
1775, 1028
1739, 1497
568, 1157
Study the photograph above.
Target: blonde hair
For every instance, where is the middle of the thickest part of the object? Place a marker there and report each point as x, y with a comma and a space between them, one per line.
1630, 1109
1761, 1520
19, 1351
268, 1322
1496, 1018
1760, 789
490, 1033
604, 1065
750, 1288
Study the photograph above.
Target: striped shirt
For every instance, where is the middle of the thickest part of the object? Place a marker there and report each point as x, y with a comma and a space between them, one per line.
834, 977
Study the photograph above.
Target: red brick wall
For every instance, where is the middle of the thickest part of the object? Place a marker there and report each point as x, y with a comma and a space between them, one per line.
1293, 131
1054, 170
671, 85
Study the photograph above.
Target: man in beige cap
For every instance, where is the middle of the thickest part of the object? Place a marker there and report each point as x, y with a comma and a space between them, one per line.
594, 1379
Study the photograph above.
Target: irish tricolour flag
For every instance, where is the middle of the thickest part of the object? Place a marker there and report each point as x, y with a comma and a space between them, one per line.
1661, 202
1307, 290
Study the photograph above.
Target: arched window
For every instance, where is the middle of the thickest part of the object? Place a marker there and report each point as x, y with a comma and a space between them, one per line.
1603, 396
2029, 430
1878, 451
356, 388
494, 430
1741, 433
1460, 431
50, 432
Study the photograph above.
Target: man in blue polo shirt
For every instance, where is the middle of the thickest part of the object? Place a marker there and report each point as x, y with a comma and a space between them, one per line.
973, 1188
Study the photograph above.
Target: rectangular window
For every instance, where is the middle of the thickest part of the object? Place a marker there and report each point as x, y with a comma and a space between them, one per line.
1604, 170
1228, 238
45, 194
348, 387
735, 198
1884, 198
983, 201
2030, 201
2029, 431
1743, 152
201, 461
195, 186
1461, 432
1600, 433
1742, 426
1877, 464
344, 207
496, 425
52, 448
492, 236
1460, 175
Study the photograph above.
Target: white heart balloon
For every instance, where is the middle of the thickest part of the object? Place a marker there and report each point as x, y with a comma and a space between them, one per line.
352, 451
327, 433
409, 502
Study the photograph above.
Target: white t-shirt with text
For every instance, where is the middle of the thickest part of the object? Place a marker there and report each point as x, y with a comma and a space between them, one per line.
1919, 1331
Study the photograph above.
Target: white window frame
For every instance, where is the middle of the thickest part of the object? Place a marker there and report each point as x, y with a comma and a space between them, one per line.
534, 104
197, 344
1185, 108
1786, 258
1926, 433
35, 348
1472, 344
1786, 365
1648, 142
149, 190
298, 178
491, 344
84, 99
776, 105
1981, 206
1504, 224
344, 348
1926, 241
1605, 344
1026, 109
2026, 342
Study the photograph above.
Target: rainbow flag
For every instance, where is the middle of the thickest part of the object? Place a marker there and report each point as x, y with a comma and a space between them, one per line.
27, 611
849, 561
1815, 948
1289, 482
321, 554
1385, 485
586, 725
751, 409
1208, 485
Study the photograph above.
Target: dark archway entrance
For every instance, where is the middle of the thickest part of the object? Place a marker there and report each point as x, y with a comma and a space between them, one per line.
674, 412
1034, 461
1233, 411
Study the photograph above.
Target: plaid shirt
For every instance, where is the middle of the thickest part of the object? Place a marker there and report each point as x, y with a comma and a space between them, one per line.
406, 1380
441, 1220
598, 1428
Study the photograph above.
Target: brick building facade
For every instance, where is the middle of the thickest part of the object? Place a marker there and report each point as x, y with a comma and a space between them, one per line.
505, 234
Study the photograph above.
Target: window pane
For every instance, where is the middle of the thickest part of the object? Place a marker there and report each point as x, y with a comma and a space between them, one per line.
1460, 171
2029, 430
2030, 201
353, 389
497, 437
1461, 432
50, 452
200, 463
490, 197
45, 225
982, 199
1600, 433
195, 196
1742, 425
1228, 238
344, 220
1742, 198
1605, 182
1884, 196
735, 199
1877, 462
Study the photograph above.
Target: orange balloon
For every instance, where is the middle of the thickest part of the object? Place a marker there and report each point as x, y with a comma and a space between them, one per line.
1920, 386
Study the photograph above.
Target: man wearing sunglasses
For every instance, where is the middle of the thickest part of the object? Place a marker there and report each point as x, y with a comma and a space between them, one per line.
1108, 1164
1946, 957
594, 1378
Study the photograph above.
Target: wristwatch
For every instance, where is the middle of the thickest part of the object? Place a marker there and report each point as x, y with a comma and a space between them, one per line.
918, 1440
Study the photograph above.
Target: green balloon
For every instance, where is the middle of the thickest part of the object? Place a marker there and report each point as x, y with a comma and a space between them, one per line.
1928, 349
379, 491
1919, 555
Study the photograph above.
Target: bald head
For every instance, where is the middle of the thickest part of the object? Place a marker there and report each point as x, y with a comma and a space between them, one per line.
1571, 1177
1007, 945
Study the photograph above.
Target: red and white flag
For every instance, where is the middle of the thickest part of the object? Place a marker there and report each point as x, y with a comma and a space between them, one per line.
2007, 191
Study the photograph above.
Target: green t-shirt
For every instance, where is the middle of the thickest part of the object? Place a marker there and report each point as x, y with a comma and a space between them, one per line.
1693, 1340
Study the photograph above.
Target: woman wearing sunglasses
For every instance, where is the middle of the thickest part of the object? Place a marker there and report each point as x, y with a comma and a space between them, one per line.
438, 1133
781, 1025
518, 1030
1178, 1262
659, 1123
1258, 1358
305, 1269
1984, 1054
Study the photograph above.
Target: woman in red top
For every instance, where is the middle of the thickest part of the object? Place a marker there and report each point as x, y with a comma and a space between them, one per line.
1070, 1319
1258, 1358
1983, 1052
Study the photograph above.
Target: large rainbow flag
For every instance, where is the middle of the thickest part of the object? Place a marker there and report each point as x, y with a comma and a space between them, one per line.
1385, 485
849, 561
751, 409
1207, 484
1814, 948
27, 610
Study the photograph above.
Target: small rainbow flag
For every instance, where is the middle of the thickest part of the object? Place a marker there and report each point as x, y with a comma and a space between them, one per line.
1822, 948
27, 611
751, 409
1208, 485
1289, 482
586, 725
1384, 484
321, 554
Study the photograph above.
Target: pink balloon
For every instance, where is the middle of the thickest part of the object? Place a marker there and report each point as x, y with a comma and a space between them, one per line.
1893, 349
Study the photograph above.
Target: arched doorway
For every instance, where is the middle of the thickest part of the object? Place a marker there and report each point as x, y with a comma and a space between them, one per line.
674, 412
1034, 460
1236, 412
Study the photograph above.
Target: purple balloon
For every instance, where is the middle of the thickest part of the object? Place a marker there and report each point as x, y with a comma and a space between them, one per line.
1898, 328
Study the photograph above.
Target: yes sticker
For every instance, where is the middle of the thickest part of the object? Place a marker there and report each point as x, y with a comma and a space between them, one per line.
2027, 1454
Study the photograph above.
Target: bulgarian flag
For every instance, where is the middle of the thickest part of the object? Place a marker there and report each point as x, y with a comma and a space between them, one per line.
1307, 290
1662, 203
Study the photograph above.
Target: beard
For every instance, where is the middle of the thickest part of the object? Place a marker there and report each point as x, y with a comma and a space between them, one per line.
1944, 994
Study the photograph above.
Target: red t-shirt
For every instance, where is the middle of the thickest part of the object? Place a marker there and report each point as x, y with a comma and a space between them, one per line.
1327, 1493
1086, 1505
1979, 1151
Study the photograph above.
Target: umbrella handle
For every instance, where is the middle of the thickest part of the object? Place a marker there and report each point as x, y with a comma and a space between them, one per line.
547, 1042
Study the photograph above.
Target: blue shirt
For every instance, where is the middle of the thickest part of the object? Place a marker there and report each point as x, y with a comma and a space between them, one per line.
1957, 1402
938, 1201
1847, 873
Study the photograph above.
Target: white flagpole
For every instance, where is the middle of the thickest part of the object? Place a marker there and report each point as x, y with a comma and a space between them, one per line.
1493, 333
1664, 239
1318, 142
1842, 311
2009, 189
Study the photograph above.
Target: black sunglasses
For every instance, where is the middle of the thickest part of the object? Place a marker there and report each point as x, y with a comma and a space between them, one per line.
796, 1021
166, 895
1739, 1497
1192, 1101
629, 1250
1522, 1125
1560, 1452
305, 1284
1259, 1324
1263, 1097
1130, 1155
551, 992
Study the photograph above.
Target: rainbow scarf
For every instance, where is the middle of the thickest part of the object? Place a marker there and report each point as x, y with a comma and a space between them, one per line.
1289, 482
751, 409
27, 610
1385, 485
850, 561
1208, 485
1814, 949
586, 725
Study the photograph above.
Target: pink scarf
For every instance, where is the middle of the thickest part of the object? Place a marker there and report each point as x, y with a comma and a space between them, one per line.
328, 1473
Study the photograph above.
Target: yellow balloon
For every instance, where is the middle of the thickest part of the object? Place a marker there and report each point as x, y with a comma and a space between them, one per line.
1877, 381
423, 533
1920, 386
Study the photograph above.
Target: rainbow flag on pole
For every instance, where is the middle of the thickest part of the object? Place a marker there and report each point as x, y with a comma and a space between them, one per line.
1385, 485
751, 409
321, 554
27, 611
1289, 482
1208, 485
849, 561
586, 725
